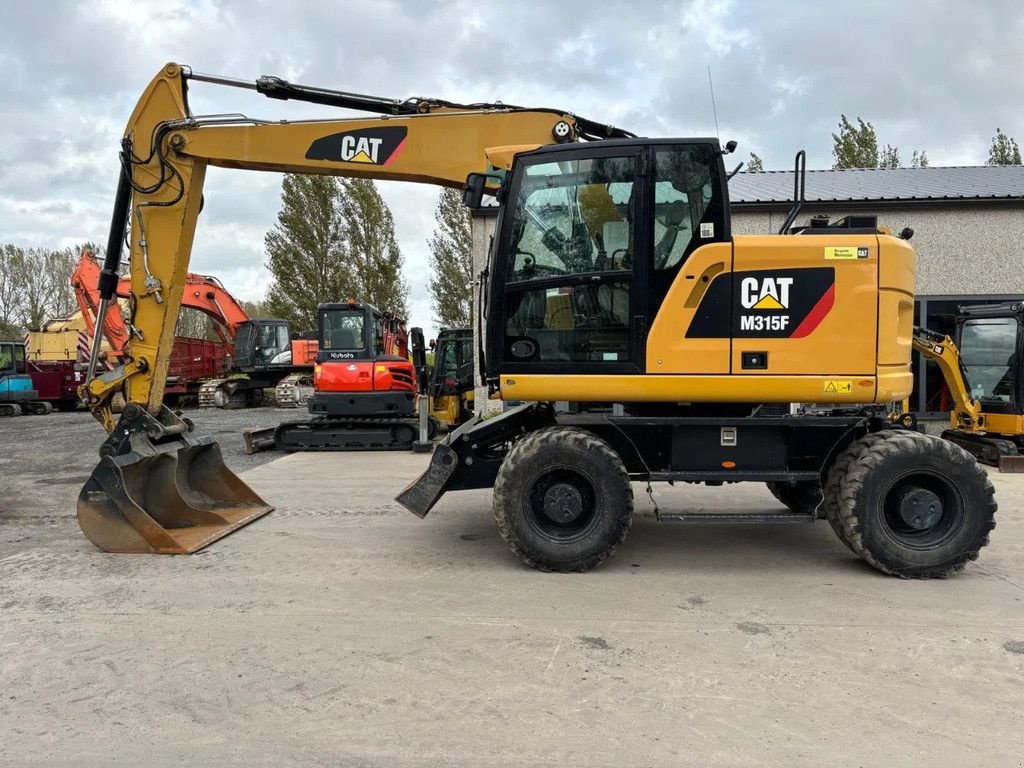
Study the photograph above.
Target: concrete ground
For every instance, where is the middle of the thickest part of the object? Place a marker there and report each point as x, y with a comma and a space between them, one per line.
342, 631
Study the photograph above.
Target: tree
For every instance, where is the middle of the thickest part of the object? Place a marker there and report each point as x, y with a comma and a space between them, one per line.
755, 164
1004, 150
10, 292
305, 252
257, 309
451, 262
889, 157
59, 267
855, 146
30, 269
370, 248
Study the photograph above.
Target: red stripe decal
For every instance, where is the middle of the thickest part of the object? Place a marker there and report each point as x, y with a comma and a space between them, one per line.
398, 149
817, 314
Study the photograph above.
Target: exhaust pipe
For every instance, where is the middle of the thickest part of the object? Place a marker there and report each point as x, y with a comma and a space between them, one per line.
159, 489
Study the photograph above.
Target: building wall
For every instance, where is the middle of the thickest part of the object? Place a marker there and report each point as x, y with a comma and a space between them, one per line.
967, 249
483, 230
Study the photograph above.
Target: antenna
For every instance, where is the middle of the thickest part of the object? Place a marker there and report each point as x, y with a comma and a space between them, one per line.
714, 109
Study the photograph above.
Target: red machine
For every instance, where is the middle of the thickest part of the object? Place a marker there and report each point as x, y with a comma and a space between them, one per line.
262, 349
364, 384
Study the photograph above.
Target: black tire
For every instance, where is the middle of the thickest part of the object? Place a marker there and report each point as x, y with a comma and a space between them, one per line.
803, 496
574, 476
911, 505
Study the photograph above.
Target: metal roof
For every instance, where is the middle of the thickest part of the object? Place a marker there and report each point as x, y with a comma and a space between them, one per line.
962, 183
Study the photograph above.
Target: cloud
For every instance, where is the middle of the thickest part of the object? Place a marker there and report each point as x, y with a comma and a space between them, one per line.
939, 76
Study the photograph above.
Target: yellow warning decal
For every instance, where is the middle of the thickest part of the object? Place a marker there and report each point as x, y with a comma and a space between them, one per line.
840, 253
846, 252
833, 387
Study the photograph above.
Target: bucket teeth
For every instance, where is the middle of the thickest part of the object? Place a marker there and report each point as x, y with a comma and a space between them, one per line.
172, 498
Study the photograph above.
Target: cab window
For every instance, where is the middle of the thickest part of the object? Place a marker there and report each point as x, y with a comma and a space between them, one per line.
342, 329
570, 263
573, 217
686, 210
6, 357
988, 351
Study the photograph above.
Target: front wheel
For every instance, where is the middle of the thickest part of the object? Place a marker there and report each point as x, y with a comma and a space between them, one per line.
562, 499
913, 505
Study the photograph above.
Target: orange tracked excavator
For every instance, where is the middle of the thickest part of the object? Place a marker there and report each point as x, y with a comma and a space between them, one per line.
259, 349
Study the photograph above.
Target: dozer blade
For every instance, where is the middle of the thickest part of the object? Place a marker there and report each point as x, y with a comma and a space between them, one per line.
163, 496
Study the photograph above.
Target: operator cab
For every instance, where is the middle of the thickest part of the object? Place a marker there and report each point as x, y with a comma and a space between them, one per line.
15, 382
358, 331
590, 239
262, 344
453, 363
12, 357
991, 342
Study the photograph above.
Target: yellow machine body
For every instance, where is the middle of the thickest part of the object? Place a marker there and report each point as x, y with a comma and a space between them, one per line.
850, 342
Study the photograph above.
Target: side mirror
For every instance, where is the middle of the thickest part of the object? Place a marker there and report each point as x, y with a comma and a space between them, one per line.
475, 186
473, 190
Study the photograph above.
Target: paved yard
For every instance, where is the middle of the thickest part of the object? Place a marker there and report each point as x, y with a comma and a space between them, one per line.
340, 630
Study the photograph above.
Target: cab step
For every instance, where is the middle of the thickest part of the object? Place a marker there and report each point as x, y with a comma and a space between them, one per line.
734, 517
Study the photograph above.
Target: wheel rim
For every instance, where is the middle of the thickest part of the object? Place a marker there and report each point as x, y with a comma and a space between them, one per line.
922, 510
561, 504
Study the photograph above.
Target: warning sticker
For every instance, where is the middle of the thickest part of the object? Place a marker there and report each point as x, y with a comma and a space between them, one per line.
845, 252
833, 387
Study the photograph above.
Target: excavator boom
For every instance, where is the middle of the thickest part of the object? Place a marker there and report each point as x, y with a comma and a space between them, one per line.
159, 488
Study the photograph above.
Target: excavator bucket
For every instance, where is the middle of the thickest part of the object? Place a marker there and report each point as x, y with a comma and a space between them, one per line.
160, 490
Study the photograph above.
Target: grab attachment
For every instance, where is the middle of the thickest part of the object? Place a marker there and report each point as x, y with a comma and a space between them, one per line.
159, 489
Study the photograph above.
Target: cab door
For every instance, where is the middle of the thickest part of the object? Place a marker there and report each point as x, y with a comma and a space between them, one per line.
574, 264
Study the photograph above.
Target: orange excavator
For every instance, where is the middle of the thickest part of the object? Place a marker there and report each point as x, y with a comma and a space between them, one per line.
262, 349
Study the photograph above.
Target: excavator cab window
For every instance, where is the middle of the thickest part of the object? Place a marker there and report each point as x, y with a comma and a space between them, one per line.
989, 353
570, 261
343, 329
383, 330
7, 358
272, 341
683, 193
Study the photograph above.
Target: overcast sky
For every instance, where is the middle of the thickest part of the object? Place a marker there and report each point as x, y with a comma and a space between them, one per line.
933, 74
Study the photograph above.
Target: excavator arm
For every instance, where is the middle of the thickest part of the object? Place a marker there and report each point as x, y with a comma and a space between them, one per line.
941, 350
164, 155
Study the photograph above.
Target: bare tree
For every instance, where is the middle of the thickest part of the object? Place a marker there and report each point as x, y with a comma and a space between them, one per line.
10, 291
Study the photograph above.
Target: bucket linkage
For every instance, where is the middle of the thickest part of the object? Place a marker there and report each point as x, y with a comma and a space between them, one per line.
160, 489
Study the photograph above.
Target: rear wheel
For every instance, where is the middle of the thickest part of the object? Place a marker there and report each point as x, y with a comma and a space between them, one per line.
911, 505
803, 497
562, 499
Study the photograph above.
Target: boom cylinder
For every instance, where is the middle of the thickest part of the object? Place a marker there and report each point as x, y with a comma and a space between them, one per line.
107, 284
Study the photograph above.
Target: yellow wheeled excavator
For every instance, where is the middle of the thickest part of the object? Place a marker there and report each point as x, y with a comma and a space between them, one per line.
614, 282
159, 487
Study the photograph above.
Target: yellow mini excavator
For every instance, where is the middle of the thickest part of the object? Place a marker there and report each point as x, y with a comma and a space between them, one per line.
984, 373
159, 487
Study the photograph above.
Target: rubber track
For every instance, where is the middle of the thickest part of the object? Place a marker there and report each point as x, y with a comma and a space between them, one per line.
384, 423
533, 442
870, 449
